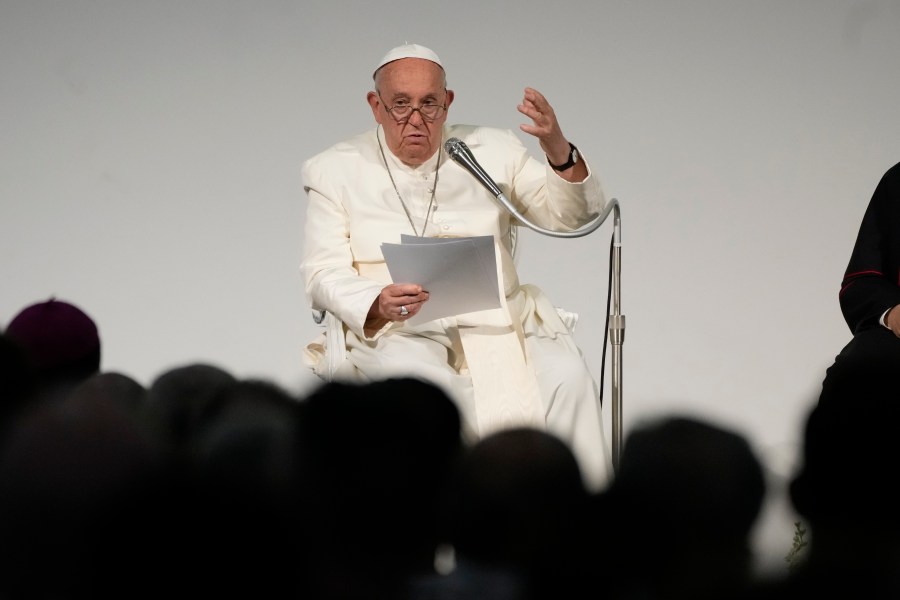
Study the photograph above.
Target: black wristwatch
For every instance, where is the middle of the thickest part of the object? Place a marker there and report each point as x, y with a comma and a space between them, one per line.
573, 158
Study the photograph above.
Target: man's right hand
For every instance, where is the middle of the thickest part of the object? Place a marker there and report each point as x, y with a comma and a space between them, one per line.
396, 302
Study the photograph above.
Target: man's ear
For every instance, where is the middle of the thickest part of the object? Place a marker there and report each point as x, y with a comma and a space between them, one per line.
450, 96
375, 104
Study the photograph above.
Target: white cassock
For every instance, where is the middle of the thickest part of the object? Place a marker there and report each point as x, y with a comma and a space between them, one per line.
515, 365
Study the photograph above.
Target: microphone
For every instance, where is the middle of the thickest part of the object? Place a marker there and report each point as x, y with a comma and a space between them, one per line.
460, 153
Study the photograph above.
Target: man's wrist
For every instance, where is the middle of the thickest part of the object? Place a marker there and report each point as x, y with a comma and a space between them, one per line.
570, 161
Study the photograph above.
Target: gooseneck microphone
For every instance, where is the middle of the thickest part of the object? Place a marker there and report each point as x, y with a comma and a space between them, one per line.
460, 153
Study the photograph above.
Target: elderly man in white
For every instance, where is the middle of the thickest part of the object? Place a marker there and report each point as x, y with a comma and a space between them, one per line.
508, 366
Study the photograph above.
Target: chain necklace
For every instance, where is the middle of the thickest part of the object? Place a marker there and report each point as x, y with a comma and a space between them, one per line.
397, 191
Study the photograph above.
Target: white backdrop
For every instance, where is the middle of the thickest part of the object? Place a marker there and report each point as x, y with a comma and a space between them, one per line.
150, 156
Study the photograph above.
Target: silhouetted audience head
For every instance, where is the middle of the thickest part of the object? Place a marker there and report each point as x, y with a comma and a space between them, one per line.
84, 490
246, 494
60, 340
248, 441
850, 445
378, 457
516, 516
18, 383
181, 399
679, 513
115, 387
844, 488
235, 444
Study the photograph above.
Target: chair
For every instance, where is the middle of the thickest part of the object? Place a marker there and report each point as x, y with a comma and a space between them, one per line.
327, 354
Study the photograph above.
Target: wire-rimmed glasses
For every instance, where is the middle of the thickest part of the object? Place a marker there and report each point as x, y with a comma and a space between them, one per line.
402, 111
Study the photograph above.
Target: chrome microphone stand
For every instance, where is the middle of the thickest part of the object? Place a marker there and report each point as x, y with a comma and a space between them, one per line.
616, 323
617, 336
460, 153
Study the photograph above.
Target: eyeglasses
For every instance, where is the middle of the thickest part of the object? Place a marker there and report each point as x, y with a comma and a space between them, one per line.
402, 111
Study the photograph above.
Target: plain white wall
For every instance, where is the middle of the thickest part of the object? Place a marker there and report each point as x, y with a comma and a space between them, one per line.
150, 155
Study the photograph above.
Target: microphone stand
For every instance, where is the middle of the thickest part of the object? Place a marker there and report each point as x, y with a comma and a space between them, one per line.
616, 320
616, 329
460, 153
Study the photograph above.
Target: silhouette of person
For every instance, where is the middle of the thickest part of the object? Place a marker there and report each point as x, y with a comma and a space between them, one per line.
677, 519
869, 290
18, 382
181, 398
844, 489
116, 387
246, 490
377, 458
61, 342
84, 489
515, 517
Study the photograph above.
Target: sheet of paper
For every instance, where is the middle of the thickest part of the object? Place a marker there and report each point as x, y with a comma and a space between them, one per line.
460, 274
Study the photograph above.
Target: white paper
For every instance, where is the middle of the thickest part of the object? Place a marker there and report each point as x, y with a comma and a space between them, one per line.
460, 274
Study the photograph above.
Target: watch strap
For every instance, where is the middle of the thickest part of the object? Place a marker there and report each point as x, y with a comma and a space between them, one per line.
573, 158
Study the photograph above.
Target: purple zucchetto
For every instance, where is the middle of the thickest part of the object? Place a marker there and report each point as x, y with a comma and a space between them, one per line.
57, 337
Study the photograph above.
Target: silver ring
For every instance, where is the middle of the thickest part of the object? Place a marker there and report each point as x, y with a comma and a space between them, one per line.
403, 311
